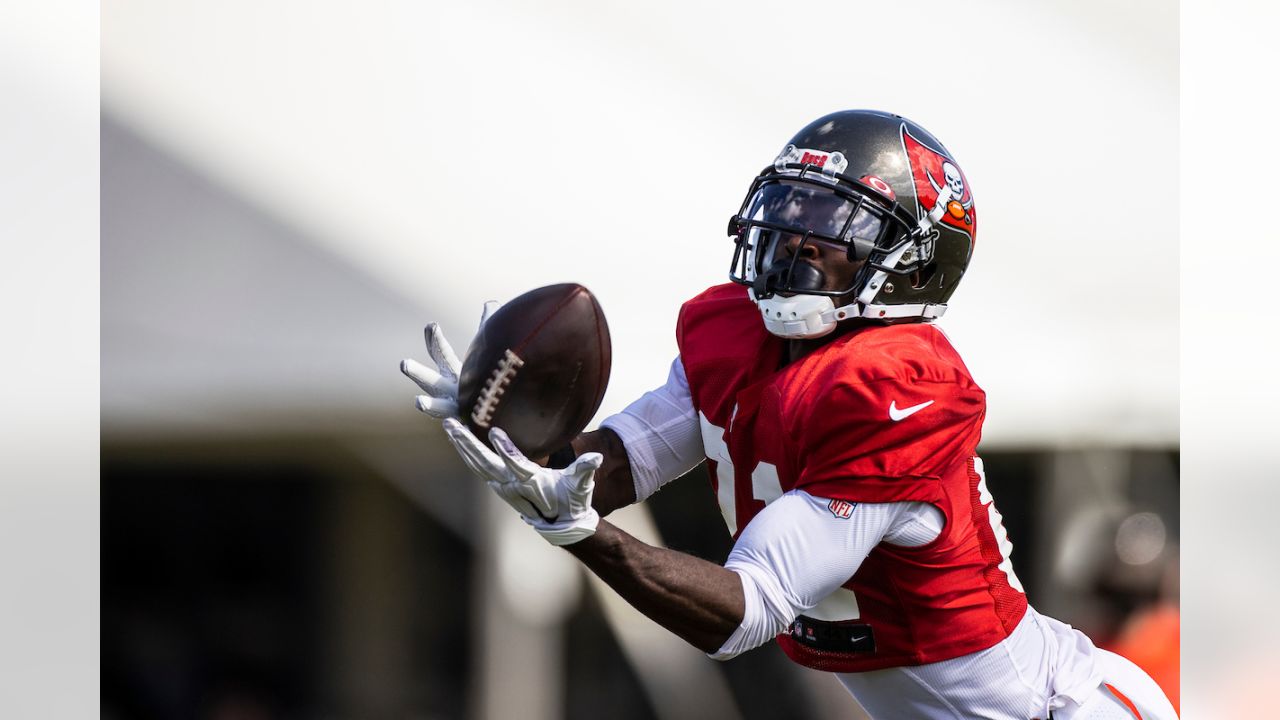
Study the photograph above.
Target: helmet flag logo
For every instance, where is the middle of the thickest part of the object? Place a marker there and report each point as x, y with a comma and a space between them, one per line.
931, 171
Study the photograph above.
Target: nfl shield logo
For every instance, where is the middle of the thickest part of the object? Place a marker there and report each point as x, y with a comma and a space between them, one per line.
841, 508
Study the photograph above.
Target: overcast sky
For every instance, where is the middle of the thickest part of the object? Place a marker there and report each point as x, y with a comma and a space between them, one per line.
459, 152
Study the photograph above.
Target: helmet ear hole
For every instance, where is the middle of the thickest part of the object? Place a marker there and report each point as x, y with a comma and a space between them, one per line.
921, 277
859, 249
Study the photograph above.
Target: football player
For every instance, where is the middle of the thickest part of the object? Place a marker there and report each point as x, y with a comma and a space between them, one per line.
840, 429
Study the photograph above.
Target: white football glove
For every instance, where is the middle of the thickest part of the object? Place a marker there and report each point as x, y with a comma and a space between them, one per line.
441, 385
557, 503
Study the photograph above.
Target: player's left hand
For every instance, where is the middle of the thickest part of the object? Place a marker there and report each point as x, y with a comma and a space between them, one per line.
557, 503
439, 384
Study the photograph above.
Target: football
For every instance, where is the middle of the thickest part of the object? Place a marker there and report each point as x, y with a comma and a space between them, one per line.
537, 368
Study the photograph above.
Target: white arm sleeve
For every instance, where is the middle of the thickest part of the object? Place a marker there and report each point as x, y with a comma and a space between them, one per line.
661, 434
797, 551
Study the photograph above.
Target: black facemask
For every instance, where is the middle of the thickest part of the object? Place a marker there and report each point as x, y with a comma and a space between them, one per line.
797, 276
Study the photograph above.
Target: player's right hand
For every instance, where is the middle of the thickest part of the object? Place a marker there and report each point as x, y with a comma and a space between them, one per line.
555, 502
440, 384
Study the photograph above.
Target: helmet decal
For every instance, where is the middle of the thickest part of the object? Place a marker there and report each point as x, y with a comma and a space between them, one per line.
875, 182
931, 171
827, 161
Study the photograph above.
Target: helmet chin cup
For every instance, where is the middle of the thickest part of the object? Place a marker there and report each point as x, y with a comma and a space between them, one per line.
797, 317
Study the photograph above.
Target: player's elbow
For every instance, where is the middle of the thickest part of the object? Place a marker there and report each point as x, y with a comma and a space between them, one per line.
764, 614
726, 654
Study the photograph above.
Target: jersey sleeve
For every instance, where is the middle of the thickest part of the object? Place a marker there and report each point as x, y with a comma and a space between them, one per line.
795, 553
864, 440
660, 432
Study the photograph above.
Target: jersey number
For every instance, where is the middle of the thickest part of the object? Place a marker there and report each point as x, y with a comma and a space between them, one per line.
841, 604
765, 485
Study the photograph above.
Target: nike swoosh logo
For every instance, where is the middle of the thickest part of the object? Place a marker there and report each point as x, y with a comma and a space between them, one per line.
895, 414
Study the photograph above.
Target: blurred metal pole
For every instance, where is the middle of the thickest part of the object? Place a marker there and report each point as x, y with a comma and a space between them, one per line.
525, 589
371, 602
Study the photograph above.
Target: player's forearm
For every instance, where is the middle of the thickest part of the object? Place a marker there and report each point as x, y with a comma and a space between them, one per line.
699, 601
615, 486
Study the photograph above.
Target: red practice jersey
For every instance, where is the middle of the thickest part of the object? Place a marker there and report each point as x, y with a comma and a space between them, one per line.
881, 414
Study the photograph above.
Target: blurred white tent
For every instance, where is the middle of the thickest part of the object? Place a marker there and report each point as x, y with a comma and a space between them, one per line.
217, 318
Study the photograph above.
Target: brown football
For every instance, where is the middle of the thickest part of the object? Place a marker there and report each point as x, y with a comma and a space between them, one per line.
537, 369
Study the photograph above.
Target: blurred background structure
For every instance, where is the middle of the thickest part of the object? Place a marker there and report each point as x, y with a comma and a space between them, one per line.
291, 190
